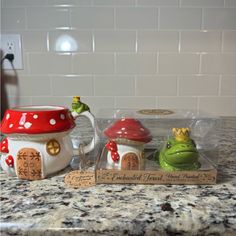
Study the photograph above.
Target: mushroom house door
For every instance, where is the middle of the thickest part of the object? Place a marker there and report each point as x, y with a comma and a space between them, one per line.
28, 163
130, 161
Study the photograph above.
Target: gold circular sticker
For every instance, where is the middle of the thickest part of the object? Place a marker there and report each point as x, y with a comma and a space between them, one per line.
155, 112
53, 147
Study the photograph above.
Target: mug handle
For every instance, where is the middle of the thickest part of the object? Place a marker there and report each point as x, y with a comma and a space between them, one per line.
90, 146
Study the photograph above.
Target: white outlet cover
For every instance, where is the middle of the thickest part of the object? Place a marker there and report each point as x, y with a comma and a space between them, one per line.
14, 40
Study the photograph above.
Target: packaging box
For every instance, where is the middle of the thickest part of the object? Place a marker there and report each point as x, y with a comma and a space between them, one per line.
132, 144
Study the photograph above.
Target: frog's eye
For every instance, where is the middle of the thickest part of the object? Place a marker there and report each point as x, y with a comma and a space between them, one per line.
168, 145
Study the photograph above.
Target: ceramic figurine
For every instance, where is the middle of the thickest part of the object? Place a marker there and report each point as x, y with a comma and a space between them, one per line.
38, 142
126, 144
78, 106
180, 152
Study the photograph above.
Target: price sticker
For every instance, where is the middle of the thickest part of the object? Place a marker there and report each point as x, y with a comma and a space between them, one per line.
80, 179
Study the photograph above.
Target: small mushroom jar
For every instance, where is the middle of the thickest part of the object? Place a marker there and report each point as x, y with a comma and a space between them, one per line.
125, 147
37, 141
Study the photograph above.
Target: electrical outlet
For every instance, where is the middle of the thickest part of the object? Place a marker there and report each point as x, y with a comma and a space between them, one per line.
11, 43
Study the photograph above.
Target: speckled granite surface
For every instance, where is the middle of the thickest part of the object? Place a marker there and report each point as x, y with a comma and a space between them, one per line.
48, 207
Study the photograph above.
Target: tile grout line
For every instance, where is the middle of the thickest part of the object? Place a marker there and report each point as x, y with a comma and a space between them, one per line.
158, 18
202, 19
179, 43
220, 84
93, 76
136, 41
114, 18
26, 19
177, 85
200, 63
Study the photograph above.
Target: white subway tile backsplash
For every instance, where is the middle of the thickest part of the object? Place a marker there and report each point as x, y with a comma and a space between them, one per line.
115, 41
92, 17
15, 101
177, 102
47, 18
156, 86
113, 2
228, 86
149, 41
34, 41
89, 63
70, 41
229, 41
49, 63
97, 103
34, 86
200, 41
224, 106
202, 3
198, 85
13, 19
70, 2
135, 102
53, 101
16, 3
114, 86
218, 64
72, 84
136, 18
136, 63
230, 3
125, 53
178, 64
158, 2
219, 18
180, 18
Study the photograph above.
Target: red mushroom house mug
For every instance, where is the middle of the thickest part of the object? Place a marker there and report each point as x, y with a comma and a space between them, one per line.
37, 141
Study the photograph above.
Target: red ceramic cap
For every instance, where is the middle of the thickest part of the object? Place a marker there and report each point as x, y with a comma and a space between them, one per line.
130, 129
37, 120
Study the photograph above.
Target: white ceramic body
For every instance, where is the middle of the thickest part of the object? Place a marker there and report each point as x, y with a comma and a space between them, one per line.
31, 135
124, 149
49, 163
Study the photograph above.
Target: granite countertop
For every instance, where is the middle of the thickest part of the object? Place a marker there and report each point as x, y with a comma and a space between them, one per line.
49, 207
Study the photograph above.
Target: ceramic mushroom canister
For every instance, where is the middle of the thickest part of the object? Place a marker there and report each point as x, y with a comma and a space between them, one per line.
125, 147
38, 142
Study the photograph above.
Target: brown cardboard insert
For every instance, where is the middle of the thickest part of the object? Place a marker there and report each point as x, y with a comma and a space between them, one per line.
152, 174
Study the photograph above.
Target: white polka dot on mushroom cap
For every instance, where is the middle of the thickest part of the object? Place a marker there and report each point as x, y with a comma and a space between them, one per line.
27, 125
35, 116
62, 116
7, 116
11, 125
52, 122
4, 142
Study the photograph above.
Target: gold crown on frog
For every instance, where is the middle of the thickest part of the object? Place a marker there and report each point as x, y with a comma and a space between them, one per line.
76, 99
181, 134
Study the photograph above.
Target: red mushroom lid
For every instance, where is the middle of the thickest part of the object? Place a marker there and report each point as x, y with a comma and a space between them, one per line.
129, 129
37, 120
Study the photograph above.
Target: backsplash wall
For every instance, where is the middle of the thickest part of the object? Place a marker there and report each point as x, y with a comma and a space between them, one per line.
126, 53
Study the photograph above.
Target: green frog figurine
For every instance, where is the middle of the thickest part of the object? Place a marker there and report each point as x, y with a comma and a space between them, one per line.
78, 106
180, 152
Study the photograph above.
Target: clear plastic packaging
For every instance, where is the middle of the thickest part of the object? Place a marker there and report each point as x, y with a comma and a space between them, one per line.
139, 136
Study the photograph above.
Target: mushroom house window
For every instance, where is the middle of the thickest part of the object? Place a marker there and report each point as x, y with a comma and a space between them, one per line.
53, 147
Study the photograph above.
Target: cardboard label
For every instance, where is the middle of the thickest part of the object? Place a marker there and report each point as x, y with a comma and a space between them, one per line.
156, 177
80, 179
